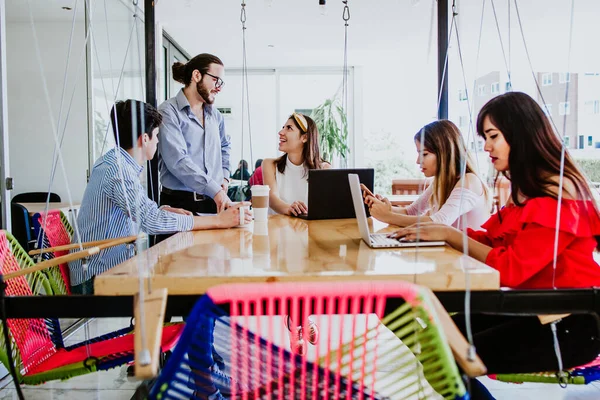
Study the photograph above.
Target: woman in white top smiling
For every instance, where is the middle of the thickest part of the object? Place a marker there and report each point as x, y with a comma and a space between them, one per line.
287, 176
441, 151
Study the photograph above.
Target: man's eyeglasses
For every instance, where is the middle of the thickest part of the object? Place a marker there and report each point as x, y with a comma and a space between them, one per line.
219, 83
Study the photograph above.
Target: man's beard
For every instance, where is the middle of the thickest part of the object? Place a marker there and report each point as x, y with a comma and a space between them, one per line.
204, 93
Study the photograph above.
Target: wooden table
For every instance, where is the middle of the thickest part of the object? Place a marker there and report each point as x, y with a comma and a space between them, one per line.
290, 249
402, 199
33, 208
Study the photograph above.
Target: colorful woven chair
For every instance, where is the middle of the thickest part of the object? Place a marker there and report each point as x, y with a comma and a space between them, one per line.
581, 375
34, 344
245, 324
54, 231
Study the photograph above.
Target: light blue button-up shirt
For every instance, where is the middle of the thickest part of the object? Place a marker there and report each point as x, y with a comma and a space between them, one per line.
113, 205
193, 157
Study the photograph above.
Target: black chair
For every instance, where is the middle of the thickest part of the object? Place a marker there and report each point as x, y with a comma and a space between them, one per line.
21, 226
35, 197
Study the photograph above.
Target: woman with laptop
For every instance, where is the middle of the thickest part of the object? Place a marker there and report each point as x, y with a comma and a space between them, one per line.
447, 200
287, 176
524, 242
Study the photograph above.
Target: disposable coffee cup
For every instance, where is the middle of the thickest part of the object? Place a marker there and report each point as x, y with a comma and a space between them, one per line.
260, 202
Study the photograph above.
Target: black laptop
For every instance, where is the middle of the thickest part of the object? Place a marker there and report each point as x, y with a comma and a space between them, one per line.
329, 194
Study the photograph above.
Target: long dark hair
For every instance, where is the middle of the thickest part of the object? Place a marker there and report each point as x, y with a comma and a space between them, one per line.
535, 149
182, 73
310, 152
443, 139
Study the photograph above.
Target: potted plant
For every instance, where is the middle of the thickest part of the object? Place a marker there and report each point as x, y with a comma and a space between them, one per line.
332, 122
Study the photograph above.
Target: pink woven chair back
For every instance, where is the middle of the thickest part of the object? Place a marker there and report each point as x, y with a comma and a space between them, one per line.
355, 360
57, 235
31, 336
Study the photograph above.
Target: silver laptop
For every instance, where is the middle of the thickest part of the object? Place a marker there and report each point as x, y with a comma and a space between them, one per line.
377, 240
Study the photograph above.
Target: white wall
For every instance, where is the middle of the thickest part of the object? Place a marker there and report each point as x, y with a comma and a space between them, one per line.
30, 130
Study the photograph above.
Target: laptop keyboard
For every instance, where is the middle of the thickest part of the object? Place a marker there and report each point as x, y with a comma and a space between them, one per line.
383, 240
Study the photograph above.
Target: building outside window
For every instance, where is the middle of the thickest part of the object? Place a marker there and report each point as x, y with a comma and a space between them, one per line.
462, 95
547, 79
564, 77
564, 108
592, 107
547, 109
481, 90
495, 87
590, 141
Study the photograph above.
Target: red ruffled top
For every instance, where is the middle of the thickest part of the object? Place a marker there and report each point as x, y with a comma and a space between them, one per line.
523, 244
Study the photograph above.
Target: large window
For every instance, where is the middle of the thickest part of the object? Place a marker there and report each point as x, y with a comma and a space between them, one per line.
171, 53
274, 95
117, 67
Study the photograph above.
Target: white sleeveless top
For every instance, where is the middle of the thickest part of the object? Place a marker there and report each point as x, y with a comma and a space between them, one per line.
293, 183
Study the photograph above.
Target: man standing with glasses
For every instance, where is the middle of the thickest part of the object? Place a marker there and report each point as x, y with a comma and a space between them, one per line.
194, 148
194, 173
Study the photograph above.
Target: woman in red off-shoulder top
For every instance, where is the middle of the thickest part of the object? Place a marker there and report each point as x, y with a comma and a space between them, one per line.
519, 241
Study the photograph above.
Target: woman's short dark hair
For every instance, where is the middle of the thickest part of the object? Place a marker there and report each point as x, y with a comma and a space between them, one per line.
131, 119
182, 73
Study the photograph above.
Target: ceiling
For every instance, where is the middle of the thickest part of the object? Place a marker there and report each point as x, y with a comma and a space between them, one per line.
292, 32
380, 32
54, 10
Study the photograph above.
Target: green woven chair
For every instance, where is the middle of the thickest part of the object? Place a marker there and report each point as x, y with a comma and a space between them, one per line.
420, 324
36, 344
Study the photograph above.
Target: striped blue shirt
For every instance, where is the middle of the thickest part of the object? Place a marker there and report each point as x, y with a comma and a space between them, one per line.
192, 157
113, 207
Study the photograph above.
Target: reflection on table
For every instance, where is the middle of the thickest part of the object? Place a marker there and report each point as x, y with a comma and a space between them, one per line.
290, 249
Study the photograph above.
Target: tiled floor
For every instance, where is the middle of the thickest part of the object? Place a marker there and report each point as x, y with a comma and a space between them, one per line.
114, 384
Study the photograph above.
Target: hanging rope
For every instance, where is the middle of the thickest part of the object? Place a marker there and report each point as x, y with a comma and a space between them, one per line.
346, 18
245, 101
501, 43
509, 48
462, 218
563, 150
562, 157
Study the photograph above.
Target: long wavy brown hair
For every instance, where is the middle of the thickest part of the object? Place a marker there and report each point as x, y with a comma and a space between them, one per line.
310, 153
443, 139
535, 149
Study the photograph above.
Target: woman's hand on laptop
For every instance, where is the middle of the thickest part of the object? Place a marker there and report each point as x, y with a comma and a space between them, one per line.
297, 208
428, 231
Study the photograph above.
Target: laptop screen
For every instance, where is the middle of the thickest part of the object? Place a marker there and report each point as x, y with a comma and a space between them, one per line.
329, 195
